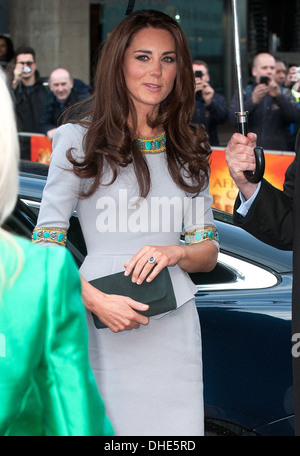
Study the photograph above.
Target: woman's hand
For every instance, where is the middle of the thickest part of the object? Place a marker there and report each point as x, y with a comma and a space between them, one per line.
119, 312
150, 260
116, 312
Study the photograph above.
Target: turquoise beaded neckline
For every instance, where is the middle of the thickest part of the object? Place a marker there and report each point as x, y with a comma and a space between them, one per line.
153, 145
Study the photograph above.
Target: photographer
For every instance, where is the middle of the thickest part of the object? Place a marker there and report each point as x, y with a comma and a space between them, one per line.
29, 91
271, 109
210, 107
295, 91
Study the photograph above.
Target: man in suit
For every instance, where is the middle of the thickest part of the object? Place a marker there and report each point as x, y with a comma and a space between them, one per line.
273, 216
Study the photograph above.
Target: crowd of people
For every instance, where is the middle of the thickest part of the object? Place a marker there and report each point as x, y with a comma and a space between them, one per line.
146, 132
39, 101
272, 98
271, 106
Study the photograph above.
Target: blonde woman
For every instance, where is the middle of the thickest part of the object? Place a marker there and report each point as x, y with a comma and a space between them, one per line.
46, 384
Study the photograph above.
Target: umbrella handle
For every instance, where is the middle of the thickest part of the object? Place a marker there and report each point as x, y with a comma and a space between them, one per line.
256, 176
252, 176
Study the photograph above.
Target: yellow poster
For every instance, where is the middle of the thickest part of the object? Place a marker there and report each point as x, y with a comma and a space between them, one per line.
222, 186
41, 149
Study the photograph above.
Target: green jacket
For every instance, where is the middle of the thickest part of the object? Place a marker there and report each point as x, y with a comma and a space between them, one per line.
46, 383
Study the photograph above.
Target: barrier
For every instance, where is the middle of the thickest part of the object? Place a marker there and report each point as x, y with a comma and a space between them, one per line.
35, 147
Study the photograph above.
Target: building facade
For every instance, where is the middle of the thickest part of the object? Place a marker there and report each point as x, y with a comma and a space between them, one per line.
68, 33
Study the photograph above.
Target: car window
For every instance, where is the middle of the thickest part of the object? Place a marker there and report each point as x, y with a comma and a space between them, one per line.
220, 274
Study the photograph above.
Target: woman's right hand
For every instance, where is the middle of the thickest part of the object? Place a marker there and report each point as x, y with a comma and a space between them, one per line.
115, 311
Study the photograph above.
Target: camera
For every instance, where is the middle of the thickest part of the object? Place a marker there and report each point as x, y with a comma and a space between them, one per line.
296, 75
198, 74
264, 80
26, 69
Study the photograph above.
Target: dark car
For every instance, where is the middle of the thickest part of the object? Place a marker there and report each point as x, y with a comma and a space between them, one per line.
244, 306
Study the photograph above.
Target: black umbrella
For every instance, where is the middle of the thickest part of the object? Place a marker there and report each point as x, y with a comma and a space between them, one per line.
242, 115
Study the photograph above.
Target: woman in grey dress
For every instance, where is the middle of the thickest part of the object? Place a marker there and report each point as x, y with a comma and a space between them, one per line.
137, 174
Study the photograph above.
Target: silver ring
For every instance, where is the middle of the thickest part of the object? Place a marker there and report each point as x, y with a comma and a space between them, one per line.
151, 260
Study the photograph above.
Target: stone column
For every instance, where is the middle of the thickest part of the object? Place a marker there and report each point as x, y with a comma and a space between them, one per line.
58, 30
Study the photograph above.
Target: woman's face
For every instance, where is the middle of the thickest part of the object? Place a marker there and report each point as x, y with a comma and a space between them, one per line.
150, 68
3, 47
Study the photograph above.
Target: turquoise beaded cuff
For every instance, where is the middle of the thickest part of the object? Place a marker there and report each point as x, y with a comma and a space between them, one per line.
46, 234
208, 233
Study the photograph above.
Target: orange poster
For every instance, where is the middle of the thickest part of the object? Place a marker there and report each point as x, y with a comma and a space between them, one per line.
222, 186
41, 149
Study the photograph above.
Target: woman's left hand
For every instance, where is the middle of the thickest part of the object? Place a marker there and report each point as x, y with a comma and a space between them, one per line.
151, 260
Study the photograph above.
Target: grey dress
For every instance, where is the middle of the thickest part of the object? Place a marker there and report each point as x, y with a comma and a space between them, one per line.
150, 378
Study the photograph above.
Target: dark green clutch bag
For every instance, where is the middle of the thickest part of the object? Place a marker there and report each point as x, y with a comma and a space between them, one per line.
158, 294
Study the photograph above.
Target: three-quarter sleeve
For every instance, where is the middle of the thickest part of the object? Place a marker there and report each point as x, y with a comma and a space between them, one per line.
199, 220
62, 189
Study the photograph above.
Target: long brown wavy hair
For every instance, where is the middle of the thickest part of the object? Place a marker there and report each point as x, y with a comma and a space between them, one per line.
109, 137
